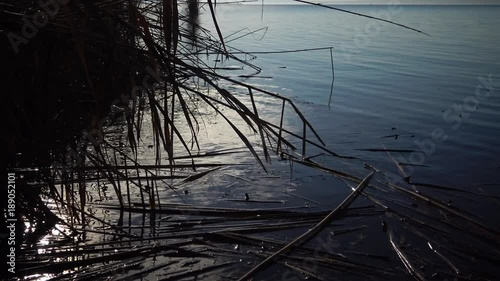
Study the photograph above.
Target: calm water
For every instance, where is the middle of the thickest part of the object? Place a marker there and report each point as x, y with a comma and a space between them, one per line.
388, 80
393, 82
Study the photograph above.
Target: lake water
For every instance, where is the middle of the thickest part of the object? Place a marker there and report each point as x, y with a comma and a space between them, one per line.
434, 98
388, 81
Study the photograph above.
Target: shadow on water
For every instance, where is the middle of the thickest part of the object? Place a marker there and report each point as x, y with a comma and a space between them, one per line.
193, 18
